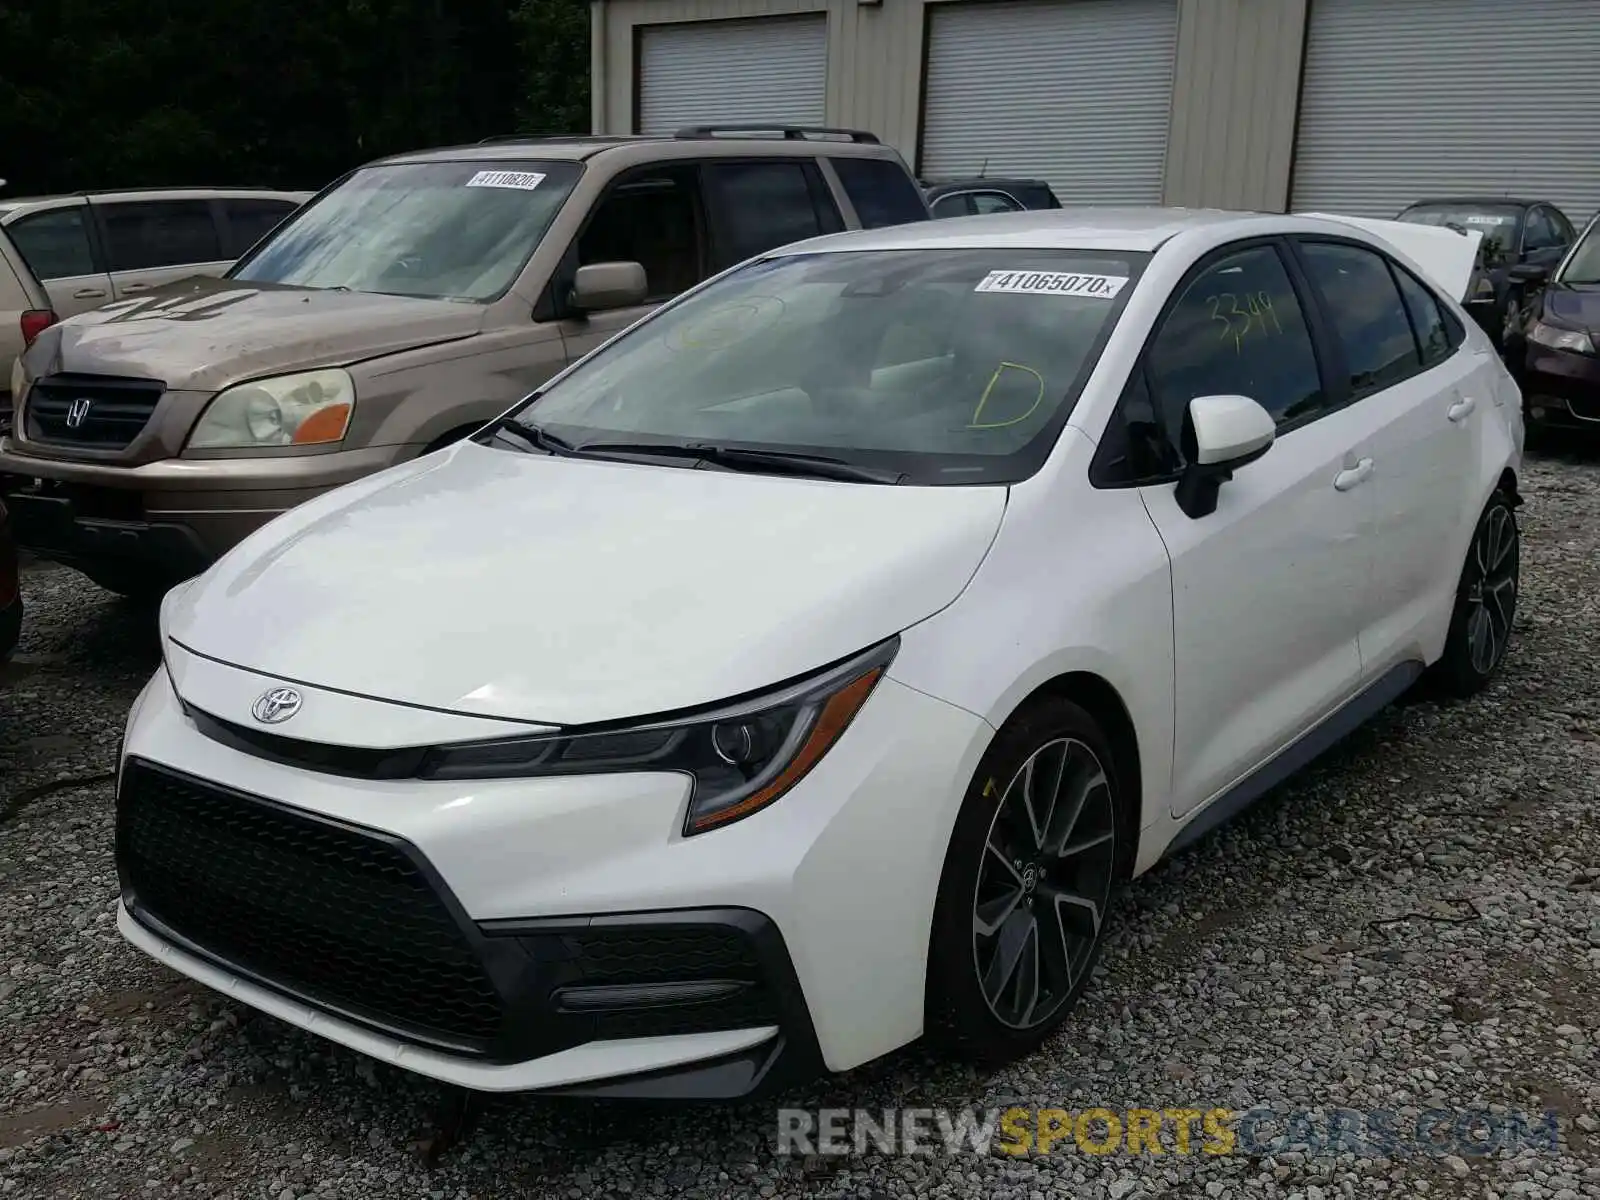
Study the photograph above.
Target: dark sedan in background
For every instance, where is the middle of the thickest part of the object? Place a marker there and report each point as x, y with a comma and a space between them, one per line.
1553, 338
981, 195
1515, 232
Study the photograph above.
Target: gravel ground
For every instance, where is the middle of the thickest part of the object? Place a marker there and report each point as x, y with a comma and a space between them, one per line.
1413, 924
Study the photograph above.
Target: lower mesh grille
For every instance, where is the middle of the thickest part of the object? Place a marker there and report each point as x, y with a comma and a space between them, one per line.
340, 916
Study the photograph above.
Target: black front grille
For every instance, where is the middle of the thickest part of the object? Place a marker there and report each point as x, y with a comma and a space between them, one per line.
341, 916
98, 411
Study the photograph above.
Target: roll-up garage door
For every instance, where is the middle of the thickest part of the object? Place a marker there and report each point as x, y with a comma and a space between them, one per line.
1078, 92
774, 69
1437, 98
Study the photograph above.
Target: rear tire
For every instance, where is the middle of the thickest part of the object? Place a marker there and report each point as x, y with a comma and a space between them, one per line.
138, 587
1485, 604
1020, 916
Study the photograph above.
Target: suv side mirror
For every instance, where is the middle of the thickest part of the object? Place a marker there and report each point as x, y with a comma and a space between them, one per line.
1221, 434
600, 287
1530, 272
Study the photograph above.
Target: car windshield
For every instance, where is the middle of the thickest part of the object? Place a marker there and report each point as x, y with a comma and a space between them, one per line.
1583, 265
1497, 223
946, 366
448, 230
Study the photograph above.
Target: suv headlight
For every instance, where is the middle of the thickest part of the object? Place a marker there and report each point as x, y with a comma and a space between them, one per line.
1561, 339
741, 756
308, 409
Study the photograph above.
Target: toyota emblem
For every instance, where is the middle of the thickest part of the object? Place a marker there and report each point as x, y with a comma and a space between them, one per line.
275, 706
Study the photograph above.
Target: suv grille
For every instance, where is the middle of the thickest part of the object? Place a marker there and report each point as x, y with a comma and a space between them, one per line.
98, 411
337, 915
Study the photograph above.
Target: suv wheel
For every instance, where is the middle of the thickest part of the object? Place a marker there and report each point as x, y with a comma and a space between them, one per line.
1486, 602
1020, 917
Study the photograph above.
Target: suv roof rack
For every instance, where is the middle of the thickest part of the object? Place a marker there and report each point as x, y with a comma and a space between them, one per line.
553, 137
789, 132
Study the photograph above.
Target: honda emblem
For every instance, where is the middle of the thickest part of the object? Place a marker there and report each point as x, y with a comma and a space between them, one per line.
79, 412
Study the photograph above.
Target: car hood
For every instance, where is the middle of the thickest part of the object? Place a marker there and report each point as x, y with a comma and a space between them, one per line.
565, 591
1576, 307
205, 334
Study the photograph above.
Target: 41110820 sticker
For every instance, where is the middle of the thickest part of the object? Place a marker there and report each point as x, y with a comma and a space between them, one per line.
522, 181
1052, 283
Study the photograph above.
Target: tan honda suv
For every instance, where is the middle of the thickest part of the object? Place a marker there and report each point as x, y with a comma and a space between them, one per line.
407, 304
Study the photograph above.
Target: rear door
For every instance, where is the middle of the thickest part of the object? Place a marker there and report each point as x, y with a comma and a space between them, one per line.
59, 245
1425, 392
149, 243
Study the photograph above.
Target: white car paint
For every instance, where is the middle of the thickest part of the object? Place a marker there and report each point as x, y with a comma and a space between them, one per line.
478, 592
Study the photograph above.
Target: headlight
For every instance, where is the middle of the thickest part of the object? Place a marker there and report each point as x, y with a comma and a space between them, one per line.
1561, 339
309, 409
741, 757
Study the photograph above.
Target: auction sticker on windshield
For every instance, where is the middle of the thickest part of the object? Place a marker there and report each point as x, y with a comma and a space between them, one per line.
522, 181
1480, 220
1052, 283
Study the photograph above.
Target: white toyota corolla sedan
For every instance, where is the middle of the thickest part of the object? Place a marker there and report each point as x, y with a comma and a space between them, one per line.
802, 672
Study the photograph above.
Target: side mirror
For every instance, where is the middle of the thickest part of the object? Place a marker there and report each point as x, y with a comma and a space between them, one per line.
600, 287
1221, 434
1530, 272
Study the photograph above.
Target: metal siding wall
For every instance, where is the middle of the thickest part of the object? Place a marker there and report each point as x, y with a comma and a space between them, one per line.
1234, 103
1434, 97
767, 69
1078, 93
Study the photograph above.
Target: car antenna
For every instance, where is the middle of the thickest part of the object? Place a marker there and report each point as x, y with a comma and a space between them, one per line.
983, 171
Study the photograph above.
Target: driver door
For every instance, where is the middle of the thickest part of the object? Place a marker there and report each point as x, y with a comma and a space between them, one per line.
1267, 590
652, 216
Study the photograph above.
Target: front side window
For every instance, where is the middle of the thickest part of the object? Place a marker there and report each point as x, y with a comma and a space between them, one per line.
448, 230
1582, 268
948, 366
1238, 330
881, 191
147, 235
1367, 313
54, 243
1427, 318
957, 205
250, 220
1497, 223
1543, 232
651, 218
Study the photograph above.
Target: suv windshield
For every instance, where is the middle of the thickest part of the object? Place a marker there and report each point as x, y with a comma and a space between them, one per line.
1583, 265
1497, 223
946, 366
448, 230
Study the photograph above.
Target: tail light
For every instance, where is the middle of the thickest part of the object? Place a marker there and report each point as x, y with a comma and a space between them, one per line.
34, 322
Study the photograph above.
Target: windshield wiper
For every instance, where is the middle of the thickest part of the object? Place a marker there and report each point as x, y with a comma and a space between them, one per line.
533, 436
775, 462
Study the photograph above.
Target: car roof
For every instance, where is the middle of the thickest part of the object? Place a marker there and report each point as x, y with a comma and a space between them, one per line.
1503, 201
689, 142
9, 204
979, 181
1139, 230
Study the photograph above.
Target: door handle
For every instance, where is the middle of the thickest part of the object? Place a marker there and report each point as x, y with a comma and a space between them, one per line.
1462, 408
89, 294
1351, 476
137, 287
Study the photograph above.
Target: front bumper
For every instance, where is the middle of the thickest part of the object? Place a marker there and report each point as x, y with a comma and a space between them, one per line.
550, 934
1562, 387
172, 518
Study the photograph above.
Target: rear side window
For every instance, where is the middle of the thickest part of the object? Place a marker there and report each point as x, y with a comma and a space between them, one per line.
993, 202
251, 220
148, 234
1434, 334
54, 243
759, 206
1364, 305
881, 191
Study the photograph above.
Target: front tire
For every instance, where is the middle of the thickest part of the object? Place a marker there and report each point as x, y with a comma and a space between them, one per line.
1485, 603
1020, 917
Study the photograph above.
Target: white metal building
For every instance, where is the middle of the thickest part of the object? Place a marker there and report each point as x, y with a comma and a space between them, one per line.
1354, 105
